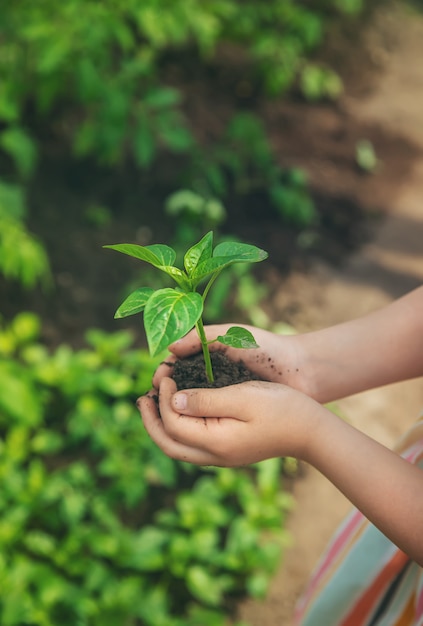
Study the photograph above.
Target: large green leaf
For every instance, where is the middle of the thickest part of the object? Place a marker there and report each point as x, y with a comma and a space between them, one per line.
200, 252
134, 303
169, 314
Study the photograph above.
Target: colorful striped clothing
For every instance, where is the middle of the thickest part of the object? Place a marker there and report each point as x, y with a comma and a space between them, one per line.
363, 579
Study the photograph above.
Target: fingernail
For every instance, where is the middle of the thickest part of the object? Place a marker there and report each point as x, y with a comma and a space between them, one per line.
180, 401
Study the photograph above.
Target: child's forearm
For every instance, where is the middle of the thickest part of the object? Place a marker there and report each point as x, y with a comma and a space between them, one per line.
383, 486
378, 349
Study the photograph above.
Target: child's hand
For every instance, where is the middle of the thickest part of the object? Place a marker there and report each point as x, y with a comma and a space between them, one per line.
277, 359
230, 426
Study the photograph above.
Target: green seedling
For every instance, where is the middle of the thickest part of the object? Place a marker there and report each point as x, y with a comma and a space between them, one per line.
170, 313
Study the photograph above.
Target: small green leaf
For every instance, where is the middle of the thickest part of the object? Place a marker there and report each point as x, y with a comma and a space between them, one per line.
178, 276
205, 586
162, 98
200, 252
147, 549
240, 252
144, 144
134, 303
226, 254
238, 337
21, 147
212, 266
157, 255
169, 314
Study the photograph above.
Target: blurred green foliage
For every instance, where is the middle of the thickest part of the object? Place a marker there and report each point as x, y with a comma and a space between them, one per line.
242, 162
365, 156
92, 75
97, 525
22, 256
95, 69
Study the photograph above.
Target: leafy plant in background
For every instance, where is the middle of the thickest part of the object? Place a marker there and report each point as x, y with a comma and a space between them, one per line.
97, 526
94, 72
242, 161
191, 214
92, 76
22, 256
320, 82
170, 313
365, 156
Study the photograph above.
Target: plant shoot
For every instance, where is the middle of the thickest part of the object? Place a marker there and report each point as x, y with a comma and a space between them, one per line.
170, 313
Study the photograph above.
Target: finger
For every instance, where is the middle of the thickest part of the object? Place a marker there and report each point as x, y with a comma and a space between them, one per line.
165, 369
208, 435
153, 424
190, 344
219, 403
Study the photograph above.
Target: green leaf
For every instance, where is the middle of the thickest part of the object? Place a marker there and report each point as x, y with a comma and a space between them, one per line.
200, 252
178, 276
166, 254
169, 314
134, 303
240, 252
205, 586
237, 337
147, 549
162, 98
19, 399
157, 255
226, 254
12, 202
144, 144
21, 147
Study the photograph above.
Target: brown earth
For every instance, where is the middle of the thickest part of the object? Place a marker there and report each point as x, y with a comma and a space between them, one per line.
388, 265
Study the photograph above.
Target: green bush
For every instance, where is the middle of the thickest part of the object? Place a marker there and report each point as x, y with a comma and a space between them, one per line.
91, 77
97, 526
93, 72
242, 161
22, 256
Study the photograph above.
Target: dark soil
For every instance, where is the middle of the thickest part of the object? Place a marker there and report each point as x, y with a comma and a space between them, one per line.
190, 372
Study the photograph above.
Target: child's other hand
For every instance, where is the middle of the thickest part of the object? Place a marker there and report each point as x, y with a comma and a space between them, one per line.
230, 426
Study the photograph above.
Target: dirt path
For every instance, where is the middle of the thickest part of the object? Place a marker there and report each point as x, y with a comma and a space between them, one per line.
386, 267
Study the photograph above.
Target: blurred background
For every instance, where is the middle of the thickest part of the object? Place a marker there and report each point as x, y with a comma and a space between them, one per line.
295, 126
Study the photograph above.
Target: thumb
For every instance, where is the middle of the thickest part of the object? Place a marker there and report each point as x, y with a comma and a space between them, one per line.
221, 402
186, 346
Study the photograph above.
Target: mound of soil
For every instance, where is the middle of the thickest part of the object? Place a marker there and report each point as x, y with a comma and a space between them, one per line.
191, 372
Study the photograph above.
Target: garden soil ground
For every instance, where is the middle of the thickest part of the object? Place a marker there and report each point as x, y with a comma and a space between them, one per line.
388, 264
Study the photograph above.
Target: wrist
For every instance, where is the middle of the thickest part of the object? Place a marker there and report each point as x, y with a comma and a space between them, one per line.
314, 422
296, 371
297, 426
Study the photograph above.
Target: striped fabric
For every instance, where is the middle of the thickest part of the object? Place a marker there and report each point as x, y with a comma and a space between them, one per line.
363, 579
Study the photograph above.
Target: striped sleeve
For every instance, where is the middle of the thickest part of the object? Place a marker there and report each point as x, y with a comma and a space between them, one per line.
363, 579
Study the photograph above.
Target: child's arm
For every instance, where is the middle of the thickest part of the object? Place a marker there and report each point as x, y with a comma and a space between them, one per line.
382, 347
246, 423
